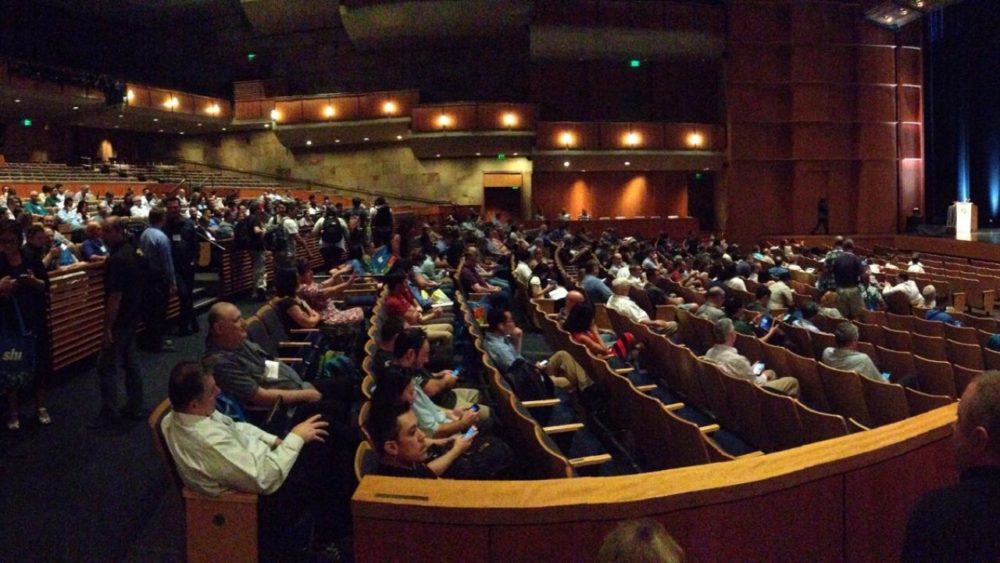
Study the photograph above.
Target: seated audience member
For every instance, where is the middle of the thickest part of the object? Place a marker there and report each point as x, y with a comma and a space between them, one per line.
294, 312
39, 244
621, 303
640, 541
929, 293
762, 300
93, 248
541, 283
828, 305
472, 281
712, 308
320, 296
410, 354
846, 356
522, 272
781, 294
405, 451
401, 303
632, 274
617, 263
580, 325
391, 328
940, 311
734, 364
296, 475
595, 288
907, 287
915, 267
732, 307
574, 298
958, 523
809, 312
502, 342
248, 374
870, 293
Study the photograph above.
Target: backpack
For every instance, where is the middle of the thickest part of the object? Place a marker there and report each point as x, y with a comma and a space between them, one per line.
276, 238
241, 235
333, 231
528, 382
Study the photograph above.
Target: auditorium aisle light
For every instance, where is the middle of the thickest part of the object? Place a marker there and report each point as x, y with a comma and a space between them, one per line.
695, 140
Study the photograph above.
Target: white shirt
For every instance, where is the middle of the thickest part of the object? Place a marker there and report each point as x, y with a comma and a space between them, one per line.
732, 363
624, 305
736, 283
916, 268
139, 211
908, 288
213, 454
523, 272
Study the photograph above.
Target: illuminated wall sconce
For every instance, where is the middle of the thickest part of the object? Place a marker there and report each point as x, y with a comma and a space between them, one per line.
129, 96
509, 120
695, 140
329, 111
567, 139
275, 115
632, 139
213, 109
444, 121
390, 107
172, 103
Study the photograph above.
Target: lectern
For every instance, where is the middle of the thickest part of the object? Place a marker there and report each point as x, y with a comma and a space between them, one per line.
966, 217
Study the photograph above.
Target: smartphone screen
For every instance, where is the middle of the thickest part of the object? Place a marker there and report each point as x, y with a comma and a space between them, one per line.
765, 322
469, 432
758, 368
474, 408
455, 372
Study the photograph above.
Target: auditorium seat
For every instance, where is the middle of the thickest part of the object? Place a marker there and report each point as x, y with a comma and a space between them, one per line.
966, 355
928, 328
818, 426
897, 339
222, 528
963, 334
930, 347
898, 364
934, 376
886, 401
811, 388
845, 394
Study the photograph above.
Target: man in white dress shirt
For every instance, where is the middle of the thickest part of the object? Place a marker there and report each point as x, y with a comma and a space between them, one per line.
214, 455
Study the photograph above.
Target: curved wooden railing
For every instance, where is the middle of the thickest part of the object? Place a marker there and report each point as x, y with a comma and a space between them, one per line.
842, 499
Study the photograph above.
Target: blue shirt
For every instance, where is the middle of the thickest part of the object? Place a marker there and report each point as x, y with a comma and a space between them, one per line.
501, 350
939, 315
597, 291
93, 247
156, 248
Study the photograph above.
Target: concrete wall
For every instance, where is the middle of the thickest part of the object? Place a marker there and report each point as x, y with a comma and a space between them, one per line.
388, 169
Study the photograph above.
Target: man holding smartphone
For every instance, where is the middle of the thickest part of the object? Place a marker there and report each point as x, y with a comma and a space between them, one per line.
735, 364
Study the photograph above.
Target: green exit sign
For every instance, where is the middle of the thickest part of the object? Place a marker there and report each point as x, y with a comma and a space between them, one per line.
501, 156
635, 63
251, 56
26, 123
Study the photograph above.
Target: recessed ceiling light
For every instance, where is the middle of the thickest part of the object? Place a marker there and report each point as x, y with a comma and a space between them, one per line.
267, 126
478, 154
17, 100
76, 107
566, 163
438, 155
155, 119
199, 125
627, 163
116, 127
515, 154
399, 137
161, 130
223, 128
366, 138
182, 132
336, 140
309, 143
120, 116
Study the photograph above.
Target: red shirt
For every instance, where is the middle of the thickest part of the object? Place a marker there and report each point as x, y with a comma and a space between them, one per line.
397, 305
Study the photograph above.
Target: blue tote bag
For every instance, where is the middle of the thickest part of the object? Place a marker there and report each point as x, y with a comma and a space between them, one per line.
17, 353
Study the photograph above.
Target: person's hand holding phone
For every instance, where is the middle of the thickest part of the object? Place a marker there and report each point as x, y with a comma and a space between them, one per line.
463, 441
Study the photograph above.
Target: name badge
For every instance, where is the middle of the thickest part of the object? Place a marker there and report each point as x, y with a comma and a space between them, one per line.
270, 369
176, 238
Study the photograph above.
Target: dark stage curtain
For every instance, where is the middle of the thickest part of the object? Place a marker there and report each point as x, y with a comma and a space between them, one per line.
963, 109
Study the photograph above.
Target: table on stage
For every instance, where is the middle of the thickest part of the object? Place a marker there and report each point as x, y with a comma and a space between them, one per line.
648, 227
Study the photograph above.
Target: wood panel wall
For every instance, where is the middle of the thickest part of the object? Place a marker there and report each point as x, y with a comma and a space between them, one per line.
611, 194
821, 103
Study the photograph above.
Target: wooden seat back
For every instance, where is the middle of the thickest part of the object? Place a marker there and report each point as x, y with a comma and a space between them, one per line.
845, 394
934, 376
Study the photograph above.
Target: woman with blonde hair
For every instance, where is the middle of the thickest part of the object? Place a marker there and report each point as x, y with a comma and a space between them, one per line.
828, 305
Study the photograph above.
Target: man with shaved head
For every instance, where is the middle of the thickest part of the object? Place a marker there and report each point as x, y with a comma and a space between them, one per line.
122, 306
958, 523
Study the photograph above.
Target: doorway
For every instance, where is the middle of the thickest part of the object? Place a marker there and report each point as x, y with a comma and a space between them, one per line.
502, 192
